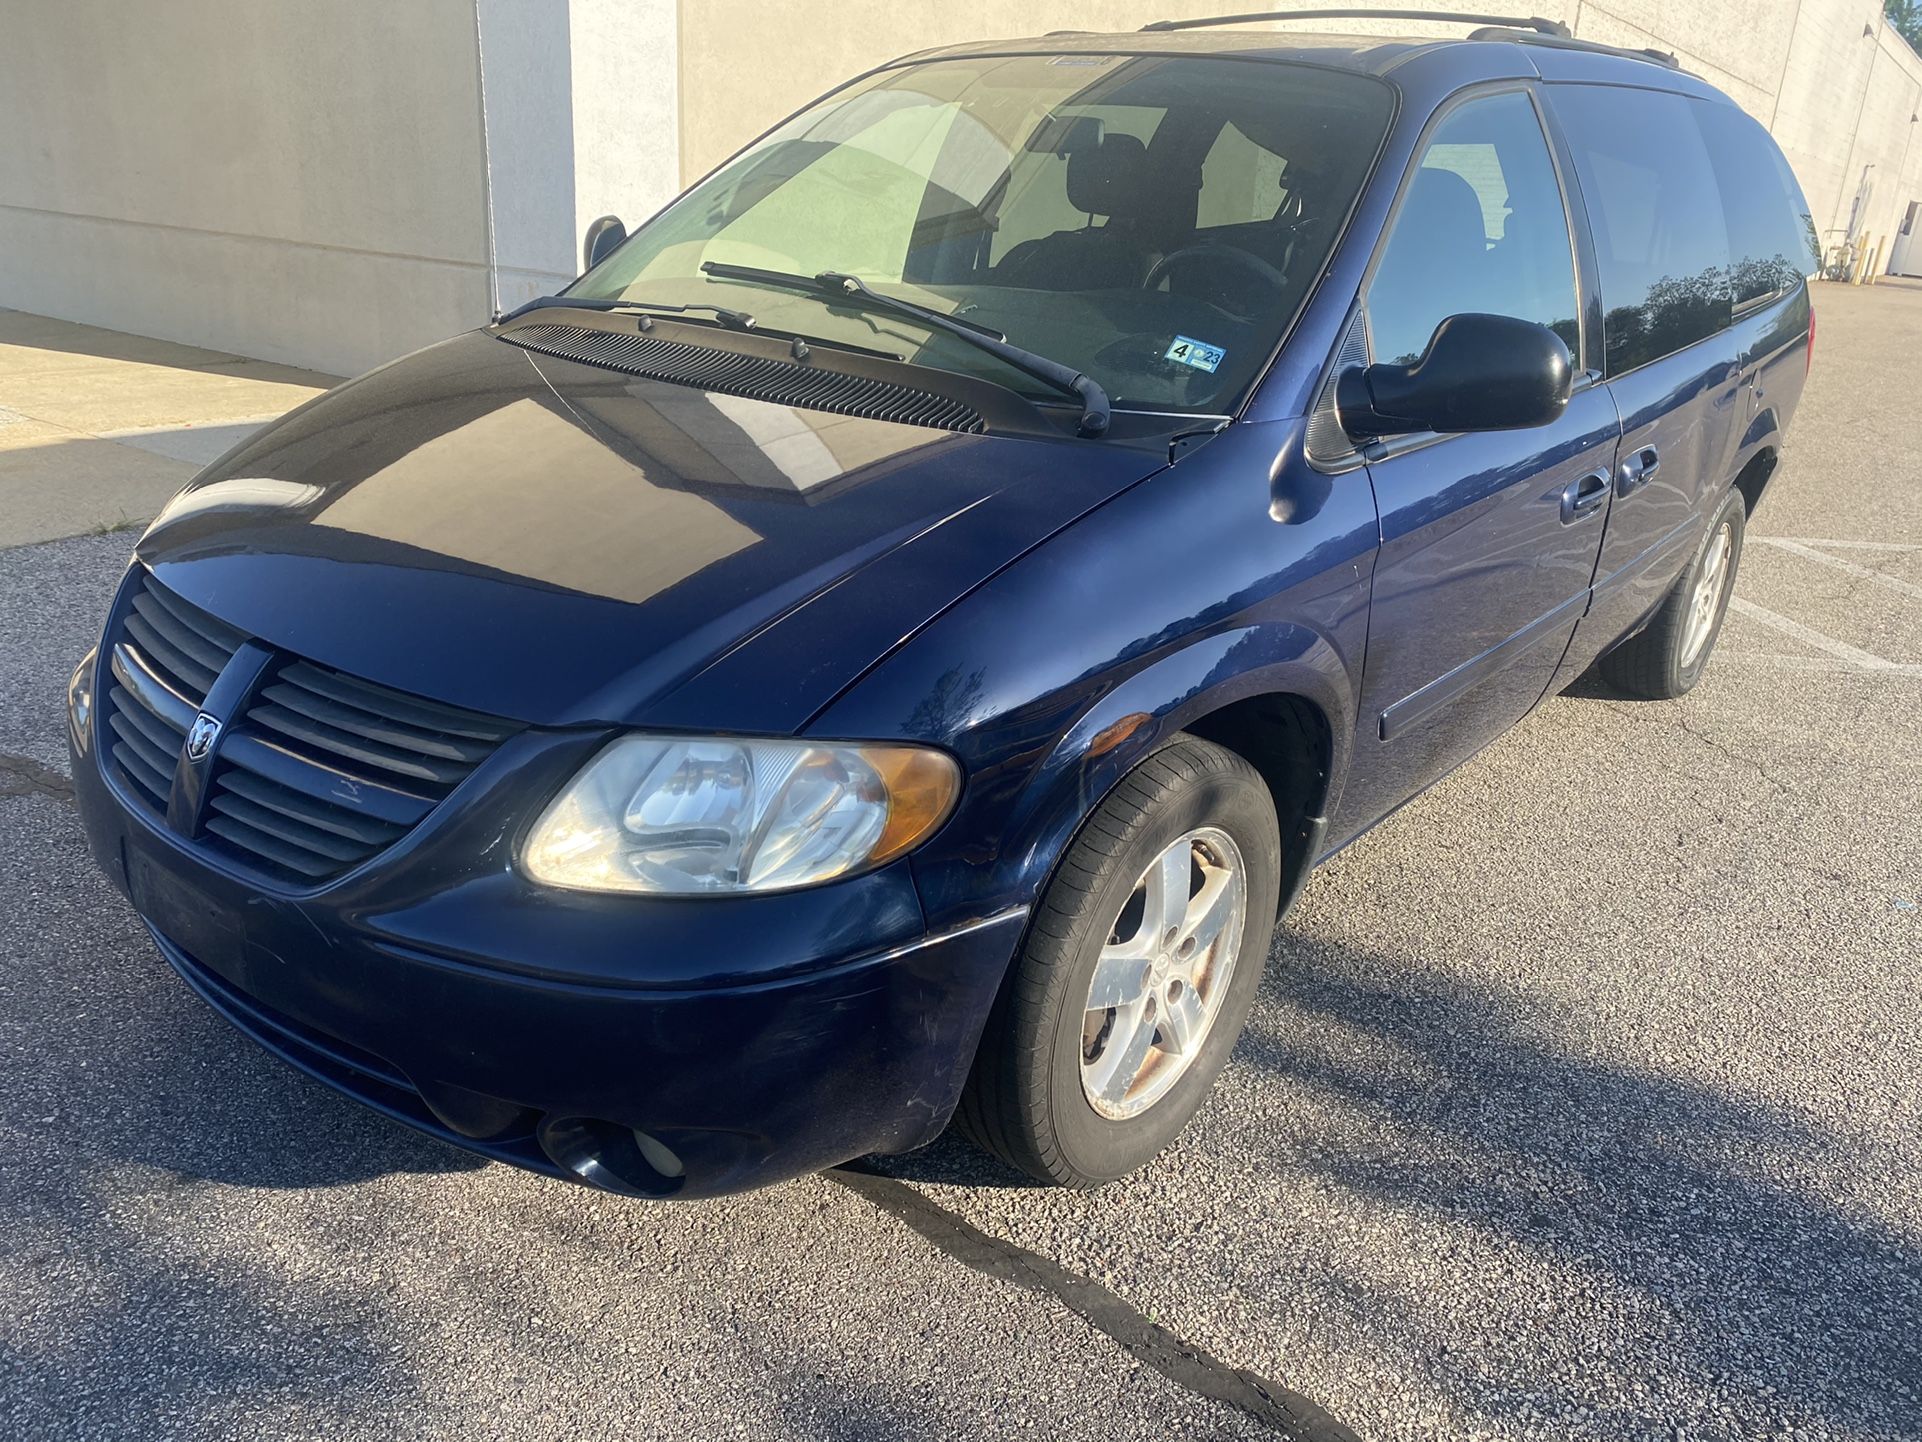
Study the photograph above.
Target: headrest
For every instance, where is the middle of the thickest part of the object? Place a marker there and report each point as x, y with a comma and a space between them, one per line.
1443, 206
1110, 178
1064, 134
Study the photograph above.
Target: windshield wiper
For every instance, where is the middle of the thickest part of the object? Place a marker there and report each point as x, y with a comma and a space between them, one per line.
837, 288
732, 319
723, 317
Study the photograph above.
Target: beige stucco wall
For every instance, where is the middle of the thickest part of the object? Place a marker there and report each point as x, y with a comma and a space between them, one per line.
1836, 77
294, 180
313, 182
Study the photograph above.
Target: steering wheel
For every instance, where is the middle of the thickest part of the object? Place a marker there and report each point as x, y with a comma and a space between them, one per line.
1218, 253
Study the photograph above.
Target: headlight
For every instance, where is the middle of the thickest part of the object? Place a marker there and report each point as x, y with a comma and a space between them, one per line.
80, 702
687, 816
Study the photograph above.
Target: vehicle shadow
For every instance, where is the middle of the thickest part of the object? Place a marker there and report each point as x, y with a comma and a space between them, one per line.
1591, 685
1720, 1212
950, 1160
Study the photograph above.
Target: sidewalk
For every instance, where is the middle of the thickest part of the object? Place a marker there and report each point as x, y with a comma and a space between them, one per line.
98, 429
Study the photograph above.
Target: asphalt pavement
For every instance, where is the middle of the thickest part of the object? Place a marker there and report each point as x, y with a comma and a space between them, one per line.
1582, 1101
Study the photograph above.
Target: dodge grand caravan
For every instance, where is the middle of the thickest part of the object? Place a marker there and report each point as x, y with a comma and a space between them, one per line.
889, 641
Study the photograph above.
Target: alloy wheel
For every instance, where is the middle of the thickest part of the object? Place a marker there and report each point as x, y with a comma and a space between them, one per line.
1707, 599
1163, 974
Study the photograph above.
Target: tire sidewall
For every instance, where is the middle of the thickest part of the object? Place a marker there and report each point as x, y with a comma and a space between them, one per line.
1733, 514
1102, 1148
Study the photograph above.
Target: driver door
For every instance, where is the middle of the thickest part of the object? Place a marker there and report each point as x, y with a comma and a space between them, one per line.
1489, 540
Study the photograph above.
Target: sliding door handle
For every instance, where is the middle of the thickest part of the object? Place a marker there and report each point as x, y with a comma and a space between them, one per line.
1635, 470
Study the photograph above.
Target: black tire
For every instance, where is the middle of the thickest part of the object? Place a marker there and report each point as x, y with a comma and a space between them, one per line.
1024, 1101
1650, 664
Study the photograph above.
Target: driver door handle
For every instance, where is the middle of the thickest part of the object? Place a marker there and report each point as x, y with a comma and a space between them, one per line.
1585, 497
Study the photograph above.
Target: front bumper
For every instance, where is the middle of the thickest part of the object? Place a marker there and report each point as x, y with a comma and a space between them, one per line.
745, 1041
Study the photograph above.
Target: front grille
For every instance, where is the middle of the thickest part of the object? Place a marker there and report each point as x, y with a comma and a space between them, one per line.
325, 770
756, 377
163, 664
318, 773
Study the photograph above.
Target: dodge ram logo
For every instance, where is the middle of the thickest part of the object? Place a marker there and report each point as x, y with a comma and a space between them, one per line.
201, 737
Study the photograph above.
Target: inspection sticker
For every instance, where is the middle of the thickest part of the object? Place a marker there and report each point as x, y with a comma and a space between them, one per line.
1191, 352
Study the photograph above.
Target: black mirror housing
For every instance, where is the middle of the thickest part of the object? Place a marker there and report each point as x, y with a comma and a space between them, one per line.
601, 238
1479, 373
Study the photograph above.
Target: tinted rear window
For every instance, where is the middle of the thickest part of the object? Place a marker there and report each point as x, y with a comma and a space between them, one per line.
1771, 235
1654, 207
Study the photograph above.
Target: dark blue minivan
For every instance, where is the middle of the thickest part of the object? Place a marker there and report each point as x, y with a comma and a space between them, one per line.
887, 644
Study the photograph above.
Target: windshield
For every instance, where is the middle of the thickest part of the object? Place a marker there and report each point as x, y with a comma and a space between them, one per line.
1152, 222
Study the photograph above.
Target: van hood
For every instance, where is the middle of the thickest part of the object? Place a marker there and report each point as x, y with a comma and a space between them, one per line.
563, 544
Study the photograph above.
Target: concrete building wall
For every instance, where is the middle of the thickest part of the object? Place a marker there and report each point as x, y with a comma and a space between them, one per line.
626, 110
1836, 78
297, 181
314, 183
1883, 161
334, 184
524, 61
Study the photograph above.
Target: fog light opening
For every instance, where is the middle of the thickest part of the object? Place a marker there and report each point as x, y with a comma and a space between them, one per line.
612, 1157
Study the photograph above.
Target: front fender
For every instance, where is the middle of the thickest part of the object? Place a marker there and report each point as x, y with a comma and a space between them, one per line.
1150, 707
1236, 572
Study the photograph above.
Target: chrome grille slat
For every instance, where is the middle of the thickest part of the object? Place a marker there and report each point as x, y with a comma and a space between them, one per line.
263, 758
184, 674
151, 693
756, 377
334, 769
156, 729
164, 658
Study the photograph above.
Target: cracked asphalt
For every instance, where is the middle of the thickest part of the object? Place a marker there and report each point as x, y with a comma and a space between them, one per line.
1582, 1101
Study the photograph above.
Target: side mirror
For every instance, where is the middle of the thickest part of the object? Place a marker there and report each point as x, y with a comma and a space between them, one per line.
602, 236
1479, 373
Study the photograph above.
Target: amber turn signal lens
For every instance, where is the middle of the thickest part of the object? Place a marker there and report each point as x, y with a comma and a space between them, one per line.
922, 789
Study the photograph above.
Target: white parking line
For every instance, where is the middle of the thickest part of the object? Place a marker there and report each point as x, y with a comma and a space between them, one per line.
1809, 636
1828, 665
1808, 552
1845, 545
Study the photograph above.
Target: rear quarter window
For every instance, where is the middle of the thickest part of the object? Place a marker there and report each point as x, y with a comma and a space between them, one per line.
1653, 204
1771, 235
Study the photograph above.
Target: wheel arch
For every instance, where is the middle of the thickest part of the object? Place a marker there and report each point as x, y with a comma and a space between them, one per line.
1286, 737
1753, 478
1276, 694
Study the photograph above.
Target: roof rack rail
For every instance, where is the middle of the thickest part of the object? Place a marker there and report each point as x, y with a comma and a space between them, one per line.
1520, 36
1533, 23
